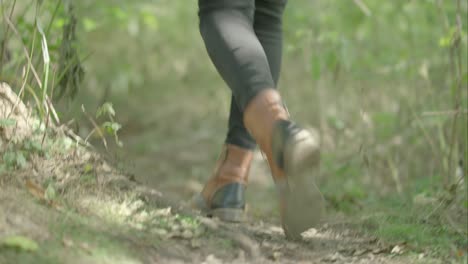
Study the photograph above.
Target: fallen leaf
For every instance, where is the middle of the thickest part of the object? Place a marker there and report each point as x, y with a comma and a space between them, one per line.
46, 196
20, 243
35, 190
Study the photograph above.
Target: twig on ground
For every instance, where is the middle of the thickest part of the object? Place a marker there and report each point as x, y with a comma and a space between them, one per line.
95, 129
75, 137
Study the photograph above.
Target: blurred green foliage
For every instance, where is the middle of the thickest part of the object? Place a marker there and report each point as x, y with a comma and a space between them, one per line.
377, 77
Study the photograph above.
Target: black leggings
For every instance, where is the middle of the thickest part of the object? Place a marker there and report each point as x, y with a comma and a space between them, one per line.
244, 40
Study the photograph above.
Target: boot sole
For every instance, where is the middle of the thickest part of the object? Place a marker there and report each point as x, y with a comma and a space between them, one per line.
305, 205
232, 215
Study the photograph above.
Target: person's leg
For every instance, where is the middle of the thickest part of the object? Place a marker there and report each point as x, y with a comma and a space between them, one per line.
268, 26
227, 28
268, 20
292, 152
237, 133
223, 194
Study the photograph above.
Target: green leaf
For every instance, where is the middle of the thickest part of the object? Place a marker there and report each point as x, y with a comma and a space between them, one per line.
447, 40
7, 122
88, 168
89, 24
106, 108
119, 14
149, 20
33, 145
59, 23
9, 158
21, 160
15, 159
20, 243
444, 42
111, 127
50, 193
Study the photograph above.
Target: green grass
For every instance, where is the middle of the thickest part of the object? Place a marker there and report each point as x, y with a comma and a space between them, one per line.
399, 221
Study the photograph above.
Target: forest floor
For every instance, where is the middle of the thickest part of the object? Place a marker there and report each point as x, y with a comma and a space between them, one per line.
99, 215
64, 203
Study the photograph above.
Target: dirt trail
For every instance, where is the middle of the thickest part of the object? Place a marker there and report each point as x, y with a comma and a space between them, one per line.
101, 215
115, 220
123, 222
69, 205
261, 239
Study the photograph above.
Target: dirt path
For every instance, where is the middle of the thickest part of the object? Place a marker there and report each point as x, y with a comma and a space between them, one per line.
261, 239
127, 223
101, 215
66, 204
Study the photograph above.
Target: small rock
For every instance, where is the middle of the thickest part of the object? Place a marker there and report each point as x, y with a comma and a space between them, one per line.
105, 167
187, 234
397, 250
276, 255
310, 233
211, 259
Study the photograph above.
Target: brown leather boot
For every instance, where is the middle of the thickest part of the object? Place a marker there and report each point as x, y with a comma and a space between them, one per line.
293, 154
223, 194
